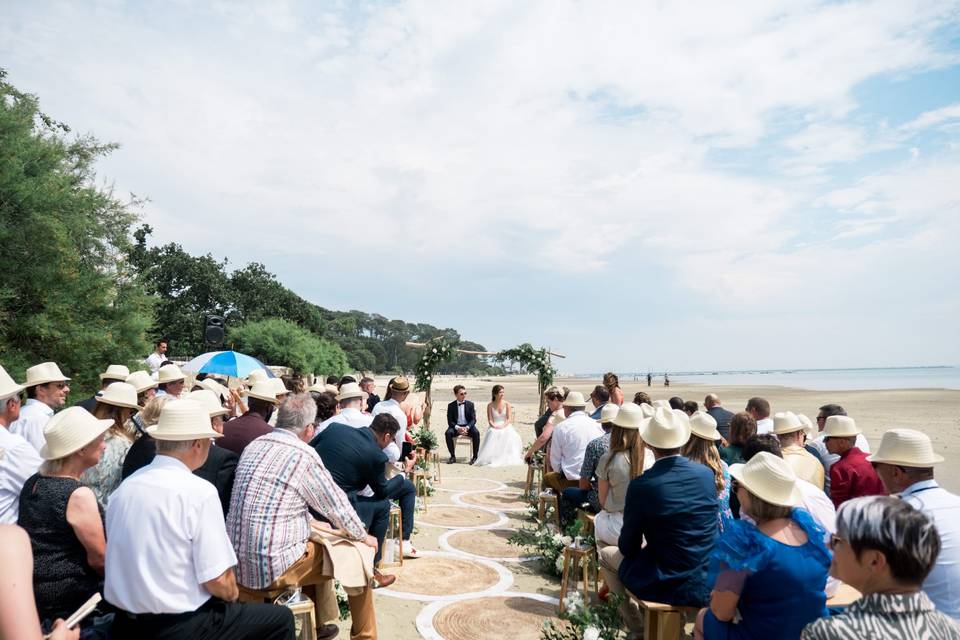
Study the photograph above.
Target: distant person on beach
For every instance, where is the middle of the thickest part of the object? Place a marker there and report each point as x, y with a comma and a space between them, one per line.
156, 359
666, 380
759, 409
676, 402
649, 379
712, 405
852, 475
612, 383
598, 397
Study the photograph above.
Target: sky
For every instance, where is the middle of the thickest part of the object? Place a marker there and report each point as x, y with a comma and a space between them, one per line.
637, 185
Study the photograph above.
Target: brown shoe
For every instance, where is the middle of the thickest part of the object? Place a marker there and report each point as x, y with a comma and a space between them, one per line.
381, 580
327, 632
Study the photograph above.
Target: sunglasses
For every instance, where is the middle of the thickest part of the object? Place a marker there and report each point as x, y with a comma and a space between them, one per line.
554, 397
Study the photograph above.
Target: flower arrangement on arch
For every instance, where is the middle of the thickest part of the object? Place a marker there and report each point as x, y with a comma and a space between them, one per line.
533, 361
436, 352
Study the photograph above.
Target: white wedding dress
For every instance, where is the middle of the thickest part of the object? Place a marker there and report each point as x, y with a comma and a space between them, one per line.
501, 446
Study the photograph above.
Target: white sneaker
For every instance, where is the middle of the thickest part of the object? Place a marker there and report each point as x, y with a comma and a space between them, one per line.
409, 551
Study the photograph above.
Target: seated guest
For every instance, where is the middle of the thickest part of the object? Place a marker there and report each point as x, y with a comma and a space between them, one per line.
569, 444
62, 517
759, 410
585, 495
642, 397
905, 462
170, 380
114, 373
239, 432
169, 562
676, 403
742, 428
711, 403
599, 397
788, 427
852, 475
772, 572
461, 421
369, 387
397, 391
18, 458
47, 391
690, 407
326, 400
117, 404
702, 448
146, 390
349, 405
885, 549
554, 416
626, 459
672, 508
825, 412
279, 479
809, 433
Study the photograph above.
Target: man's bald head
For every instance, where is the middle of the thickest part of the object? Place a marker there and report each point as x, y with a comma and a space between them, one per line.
711, 401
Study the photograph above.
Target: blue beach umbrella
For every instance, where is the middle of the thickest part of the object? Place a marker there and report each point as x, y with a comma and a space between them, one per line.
226, 363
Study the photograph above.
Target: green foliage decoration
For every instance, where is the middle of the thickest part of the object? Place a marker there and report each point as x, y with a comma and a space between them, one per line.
284, 343
425, 437
533, 361
586, 621
434, 354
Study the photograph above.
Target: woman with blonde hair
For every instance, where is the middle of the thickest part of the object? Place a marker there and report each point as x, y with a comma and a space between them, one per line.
702, 448
118, 402
612, 383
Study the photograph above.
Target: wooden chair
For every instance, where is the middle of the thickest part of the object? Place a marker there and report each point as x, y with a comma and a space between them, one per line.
546, 501
580, 563
664, 621
534, 482
394, 532
465, 440
420, 481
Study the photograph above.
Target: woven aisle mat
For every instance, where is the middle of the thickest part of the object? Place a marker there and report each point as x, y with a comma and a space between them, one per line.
490, 543
443, 575
495, 499
496, 618
467, 484
457, 517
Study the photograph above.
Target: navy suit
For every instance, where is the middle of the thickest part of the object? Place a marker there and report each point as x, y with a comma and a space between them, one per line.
470, 414
674, 504
722, 416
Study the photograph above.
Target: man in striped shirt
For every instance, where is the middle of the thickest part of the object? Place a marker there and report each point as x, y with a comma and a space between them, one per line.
279, 480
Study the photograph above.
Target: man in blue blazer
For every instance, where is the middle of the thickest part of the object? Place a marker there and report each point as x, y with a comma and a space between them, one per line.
712, 404
461, 421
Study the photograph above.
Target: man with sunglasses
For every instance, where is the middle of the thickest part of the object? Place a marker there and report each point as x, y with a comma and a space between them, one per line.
47, 391
461, 421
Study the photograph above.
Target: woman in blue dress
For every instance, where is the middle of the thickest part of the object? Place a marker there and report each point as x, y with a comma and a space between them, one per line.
769, 577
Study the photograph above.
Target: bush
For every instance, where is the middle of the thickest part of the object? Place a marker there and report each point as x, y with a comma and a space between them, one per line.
283, 343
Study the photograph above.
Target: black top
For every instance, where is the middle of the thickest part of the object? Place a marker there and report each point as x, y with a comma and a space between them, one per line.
353, 458
541, 422
372, 401
62, 579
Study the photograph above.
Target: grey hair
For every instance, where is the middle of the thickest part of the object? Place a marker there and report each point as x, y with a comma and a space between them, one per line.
349, 402
906, 536
296, 413
174, 446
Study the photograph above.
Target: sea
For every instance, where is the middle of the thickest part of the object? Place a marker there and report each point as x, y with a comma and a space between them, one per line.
814, 379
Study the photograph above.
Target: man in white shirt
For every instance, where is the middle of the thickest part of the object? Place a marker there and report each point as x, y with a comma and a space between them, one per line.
569, 443
350, 402
818, 443
18, 460
169, 564
397, 391
47, 390
158, 357
759, 409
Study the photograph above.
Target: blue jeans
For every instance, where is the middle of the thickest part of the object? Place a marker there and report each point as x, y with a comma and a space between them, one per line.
403, 491
573, 497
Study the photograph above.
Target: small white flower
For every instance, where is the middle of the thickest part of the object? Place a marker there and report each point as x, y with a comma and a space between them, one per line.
434, 350
559, 564
566, 540
557, 539
591, 633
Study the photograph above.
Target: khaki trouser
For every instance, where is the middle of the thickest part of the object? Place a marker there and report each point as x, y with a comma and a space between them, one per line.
610, 559
558, 482
307, 574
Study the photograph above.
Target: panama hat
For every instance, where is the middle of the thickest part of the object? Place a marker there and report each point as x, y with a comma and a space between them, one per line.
349, 390
120, 394
703, 425
667, 429
399, 383
786, 422
808, 427
181, 420
647, 410
278, 387
629, 416
219, 390
44, 373
169, 373
906, 448
317, 387
69, 431
840, 427
209, 401
609, 412
263, 390
574, 399
141, 381
115, 372
770, 478
256, 376
331, 388
661, 404
7, 385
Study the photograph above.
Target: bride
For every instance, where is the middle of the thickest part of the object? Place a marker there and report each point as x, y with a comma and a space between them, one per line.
501, 446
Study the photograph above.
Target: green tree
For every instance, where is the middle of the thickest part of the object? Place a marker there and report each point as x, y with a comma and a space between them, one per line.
284, 343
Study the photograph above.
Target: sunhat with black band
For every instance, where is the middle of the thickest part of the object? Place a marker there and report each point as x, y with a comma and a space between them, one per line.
667, 429
141, 381
770, 478
630, 416
44, 373
120, 394
263, 390
8, 386
399, 384
115, 372
182, 420
905, 448
703, 425
69, 431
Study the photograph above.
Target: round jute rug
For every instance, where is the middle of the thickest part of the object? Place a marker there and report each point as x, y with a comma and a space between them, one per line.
489, 543
443, 575
457, 517
469, 484
495, 618
495, 499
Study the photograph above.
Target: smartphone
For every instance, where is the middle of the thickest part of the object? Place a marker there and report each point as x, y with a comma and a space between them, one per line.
85, 609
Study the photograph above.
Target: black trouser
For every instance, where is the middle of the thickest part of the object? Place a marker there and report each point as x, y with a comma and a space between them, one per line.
215, 620
451, 434
375, 515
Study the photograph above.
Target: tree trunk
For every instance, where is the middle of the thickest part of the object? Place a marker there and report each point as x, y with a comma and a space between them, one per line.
427, 406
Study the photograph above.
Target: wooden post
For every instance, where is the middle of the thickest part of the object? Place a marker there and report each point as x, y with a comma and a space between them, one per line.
428, 405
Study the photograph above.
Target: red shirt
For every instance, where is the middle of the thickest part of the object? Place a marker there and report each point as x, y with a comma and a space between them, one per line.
240, 432
852, 476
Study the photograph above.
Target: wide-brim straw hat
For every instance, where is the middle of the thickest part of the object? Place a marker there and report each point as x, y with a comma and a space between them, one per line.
181, 420
786, 422
399, 383
263, 390
69, 431
8, 386
278, 387
809, 429
219, 390
349, 390
120, 394
575, 399
770, 478
44, 373
906, 448
210, 402
116, 372
257, 375
647, 409
629, 416
703, 425
667, 429
840, 427
170, 373
141, 381
661, 404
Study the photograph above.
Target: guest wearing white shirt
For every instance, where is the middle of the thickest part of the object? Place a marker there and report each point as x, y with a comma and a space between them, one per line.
156, 359
397, 391
170, 564
18, 459
47, 390
350, 402
759, 409
569, 443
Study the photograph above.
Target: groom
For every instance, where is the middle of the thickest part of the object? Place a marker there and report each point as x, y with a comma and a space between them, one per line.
461, 421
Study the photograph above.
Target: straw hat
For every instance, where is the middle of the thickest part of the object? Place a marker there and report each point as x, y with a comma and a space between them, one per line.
209, 401
840, 427
629, 416
574, 399
609, 412
770, 478
667, 429
69, 431
399, 383
703, 425
906, 448
786, 422
808, 427
349, 390
182, 420
44, 373
141, 381
263, 390
120, 394
661, 404
7, 385
256, 376
278, 387
218, 389
647, 410
115, 372
169, 373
